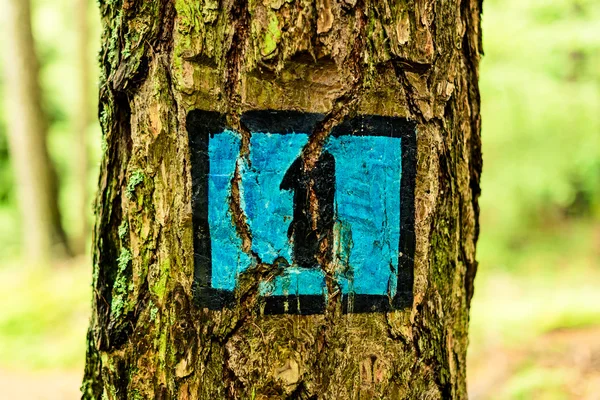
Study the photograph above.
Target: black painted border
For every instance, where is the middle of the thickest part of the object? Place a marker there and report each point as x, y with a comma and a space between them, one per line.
202, 124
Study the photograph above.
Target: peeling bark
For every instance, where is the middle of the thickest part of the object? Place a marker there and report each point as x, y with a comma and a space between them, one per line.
160, 60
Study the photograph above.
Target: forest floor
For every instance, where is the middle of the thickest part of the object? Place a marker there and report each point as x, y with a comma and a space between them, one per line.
40, 385
562, 364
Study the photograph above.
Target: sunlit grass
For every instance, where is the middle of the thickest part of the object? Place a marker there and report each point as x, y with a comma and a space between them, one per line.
551, 282
44, 315
510, 310
532, 382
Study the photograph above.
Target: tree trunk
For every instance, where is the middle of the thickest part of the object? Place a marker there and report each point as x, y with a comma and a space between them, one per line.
43, 235
83, 118
260, 152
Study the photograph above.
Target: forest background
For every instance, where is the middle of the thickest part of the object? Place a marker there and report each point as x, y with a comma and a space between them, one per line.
535, 318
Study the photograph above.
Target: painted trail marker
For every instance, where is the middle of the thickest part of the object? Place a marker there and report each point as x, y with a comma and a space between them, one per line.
364, 181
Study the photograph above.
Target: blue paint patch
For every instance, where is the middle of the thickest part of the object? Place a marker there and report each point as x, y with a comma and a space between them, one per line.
366, 199
269, 209
227, 259
371, 162
368, 207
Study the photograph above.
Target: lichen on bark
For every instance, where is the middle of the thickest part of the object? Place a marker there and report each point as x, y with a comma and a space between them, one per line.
163, 58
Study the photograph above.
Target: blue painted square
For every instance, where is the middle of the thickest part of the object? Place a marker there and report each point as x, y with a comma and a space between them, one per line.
364, 182
367, 201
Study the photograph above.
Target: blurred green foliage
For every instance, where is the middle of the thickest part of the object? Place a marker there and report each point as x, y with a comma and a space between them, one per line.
540, 83
539, 248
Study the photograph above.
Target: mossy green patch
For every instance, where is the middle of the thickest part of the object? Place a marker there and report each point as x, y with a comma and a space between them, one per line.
121, 285
124, 259
153, 312
123, 229
136, 178
271, 36
162, 348
160, 286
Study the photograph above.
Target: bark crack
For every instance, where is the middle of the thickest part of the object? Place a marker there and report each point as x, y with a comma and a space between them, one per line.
311, 153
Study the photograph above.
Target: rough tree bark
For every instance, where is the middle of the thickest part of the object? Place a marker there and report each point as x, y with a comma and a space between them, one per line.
162, 59
37, 190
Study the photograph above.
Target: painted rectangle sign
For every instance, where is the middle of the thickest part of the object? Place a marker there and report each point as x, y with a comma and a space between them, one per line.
363, 224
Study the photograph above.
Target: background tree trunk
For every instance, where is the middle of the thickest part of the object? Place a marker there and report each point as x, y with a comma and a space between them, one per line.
161, 60
83, 117
43, 235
